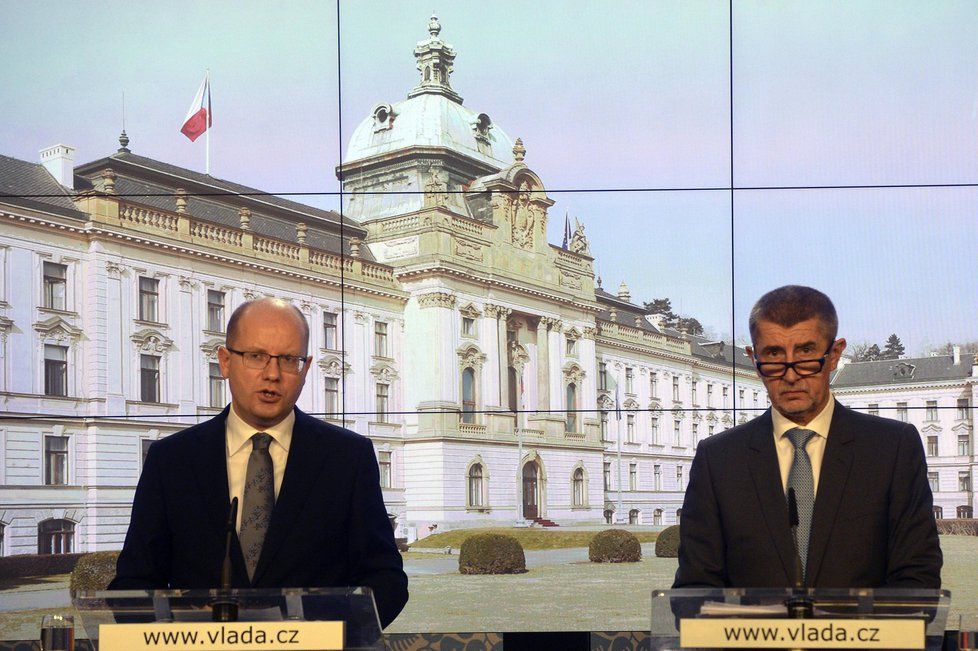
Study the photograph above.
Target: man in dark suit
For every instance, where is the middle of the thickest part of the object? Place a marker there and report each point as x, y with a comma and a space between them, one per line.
311, 509
860, 482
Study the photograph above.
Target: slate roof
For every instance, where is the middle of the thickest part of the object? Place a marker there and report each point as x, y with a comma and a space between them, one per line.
19, 178
139, 178
717, 352
902, 371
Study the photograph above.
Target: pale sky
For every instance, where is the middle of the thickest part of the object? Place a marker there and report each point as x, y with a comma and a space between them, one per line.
606, 96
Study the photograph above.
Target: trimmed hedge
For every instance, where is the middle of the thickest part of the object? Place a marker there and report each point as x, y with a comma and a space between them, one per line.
614, 546
958, 527
491, 553
667, 544
38, 564
94, 571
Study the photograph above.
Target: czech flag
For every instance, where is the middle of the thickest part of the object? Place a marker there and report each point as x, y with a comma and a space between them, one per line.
199, 117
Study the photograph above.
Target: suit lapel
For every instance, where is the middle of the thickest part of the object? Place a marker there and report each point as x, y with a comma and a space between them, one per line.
302, 472
211, 469
766, 475
836, 464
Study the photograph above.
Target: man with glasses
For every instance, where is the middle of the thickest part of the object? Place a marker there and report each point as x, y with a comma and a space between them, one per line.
311, 509
809, 493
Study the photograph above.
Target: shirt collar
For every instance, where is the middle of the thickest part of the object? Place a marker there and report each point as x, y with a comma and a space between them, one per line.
239, 433
820, 424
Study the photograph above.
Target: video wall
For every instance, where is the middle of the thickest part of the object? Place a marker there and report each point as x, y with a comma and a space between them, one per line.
711, 151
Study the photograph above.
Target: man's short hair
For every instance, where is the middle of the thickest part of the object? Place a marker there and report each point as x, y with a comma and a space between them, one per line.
233, 322
792, 304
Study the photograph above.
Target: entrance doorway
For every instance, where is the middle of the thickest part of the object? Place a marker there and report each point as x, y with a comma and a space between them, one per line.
531, 503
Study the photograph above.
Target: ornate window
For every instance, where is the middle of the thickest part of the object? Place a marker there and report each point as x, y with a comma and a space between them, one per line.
629, 379
653, 384
383, 401
679, 515
608, 515
55, 537
677, 435
55, 282
931, 413
476, 487
630, 428
607, 476
215, 386
55, 460
964, 480
604, 426
655, 431
657, 477
149, 299
964, 409
932, 446
675, 388
468, 395
933, 479
149, 378
579, 488
330, 331
633, 476
902, 411
215, 310
633, 516
964, 445
679, 478
602, 376
570, 422
380, 339
384, 459
657, 516
55, 370
938, 512
332, 396
964, 512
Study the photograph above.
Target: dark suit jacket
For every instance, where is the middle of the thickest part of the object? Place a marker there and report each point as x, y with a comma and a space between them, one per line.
329, 526
873, 524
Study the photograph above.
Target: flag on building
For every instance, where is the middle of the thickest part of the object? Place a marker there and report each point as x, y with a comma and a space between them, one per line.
567, 232
199, 117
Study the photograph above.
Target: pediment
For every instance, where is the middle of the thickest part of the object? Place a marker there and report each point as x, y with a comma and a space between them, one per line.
152, 340
333, 366
57, 328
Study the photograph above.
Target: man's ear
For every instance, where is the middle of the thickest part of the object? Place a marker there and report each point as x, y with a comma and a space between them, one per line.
750, 353
224, 361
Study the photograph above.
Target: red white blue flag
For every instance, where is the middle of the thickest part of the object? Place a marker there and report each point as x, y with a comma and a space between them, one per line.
199, 117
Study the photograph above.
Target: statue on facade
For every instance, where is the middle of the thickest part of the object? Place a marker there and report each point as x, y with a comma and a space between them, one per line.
523, 218
436, 188
578, 243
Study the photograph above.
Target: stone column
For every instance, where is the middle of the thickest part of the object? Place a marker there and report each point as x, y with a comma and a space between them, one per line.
543, 364
500, 314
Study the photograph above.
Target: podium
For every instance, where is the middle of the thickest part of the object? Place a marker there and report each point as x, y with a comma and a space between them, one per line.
296, 618
858, 618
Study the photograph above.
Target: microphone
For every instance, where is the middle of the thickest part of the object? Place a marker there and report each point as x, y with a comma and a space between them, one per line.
225, 609
799, 606
793, 521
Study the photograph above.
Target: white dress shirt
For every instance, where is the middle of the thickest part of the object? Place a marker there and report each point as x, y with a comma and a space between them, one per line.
815, 447
238, 449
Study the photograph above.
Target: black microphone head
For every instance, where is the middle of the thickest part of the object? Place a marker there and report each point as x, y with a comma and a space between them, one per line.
792, 508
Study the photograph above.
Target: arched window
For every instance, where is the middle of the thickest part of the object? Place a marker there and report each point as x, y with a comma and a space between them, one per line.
570, 424
608, 514
938, 512
657, 516
633, 516
55, 537
679, 515
580, 493
476, 486
468, 396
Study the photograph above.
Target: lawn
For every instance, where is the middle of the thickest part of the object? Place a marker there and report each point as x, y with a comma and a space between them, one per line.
530, 538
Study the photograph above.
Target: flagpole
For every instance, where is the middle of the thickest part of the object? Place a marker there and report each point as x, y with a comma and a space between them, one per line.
207, 125
618, 425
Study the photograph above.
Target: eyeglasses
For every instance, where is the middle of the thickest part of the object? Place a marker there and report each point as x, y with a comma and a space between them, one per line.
802, 367
286, 363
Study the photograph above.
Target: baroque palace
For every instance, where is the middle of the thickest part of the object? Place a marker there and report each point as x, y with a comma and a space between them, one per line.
496, 378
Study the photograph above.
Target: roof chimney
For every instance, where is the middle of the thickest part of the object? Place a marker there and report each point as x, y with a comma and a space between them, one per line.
956, 351
59, 161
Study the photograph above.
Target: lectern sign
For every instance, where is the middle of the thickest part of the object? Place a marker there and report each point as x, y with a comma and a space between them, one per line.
818, 633
222, 636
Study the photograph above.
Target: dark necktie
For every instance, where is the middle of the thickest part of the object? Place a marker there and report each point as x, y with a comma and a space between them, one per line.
801, 479
259, 500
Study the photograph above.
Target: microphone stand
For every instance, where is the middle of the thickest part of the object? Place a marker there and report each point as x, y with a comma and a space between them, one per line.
799, 605
225, 607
